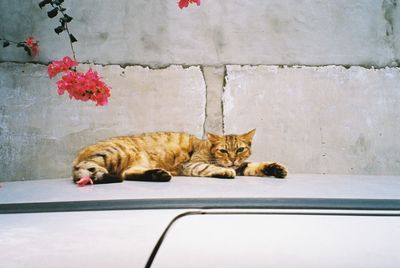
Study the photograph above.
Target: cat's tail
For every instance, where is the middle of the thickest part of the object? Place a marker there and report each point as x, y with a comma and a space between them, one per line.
97, 173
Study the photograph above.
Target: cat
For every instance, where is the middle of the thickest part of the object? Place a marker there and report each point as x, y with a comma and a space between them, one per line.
160, 155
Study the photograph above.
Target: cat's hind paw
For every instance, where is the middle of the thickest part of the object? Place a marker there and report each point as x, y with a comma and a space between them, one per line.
275, 169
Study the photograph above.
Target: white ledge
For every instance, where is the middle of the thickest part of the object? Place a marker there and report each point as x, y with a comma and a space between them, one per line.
295, 186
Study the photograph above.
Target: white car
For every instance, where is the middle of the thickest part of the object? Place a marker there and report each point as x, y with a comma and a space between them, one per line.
301, 221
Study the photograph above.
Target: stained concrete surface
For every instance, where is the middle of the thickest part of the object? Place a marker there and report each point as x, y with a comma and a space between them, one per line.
41, 131
324, 120
158, 33
329, 120
341, 119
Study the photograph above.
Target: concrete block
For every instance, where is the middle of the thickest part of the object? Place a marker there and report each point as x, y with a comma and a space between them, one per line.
318, 119
214, 78
158, 33
40, 131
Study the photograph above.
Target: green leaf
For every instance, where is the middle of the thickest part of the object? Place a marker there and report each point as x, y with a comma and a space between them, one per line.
59, 29
28, 50
6, 43
43, 3
58, 2
67, 18
52, 13
72, 38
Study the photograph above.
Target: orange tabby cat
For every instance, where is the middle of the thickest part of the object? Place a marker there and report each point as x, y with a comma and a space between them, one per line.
159, 156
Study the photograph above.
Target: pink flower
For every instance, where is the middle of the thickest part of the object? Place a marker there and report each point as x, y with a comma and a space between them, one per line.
84, 181
33, 45
80, 86
84, 86
185, 3
60, 66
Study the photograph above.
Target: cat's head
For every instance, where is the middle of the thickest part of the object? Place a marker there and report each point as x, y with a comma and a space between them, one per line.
231, 150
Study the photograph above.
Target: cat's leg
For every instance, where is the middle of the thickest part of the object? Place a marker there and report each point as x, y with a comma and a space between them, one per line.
262, 169
92, 169
139, 173
200, 169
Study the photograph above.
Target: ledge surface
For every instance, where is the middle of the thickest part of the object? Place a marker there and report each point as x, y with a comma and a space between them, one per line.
295, 186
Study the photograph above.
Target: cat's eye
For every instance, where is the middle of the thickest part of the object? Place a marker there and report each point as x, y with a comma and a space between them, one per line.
240, 149
223, 151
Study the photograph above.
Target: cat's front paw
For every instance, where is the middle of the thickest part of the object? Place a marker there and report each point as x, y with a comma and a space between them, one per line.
226, 173
158, 174
275, 169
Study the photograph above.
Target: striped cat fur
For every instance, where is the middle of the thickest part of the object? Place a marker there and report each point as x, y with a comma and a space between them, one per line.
160, 155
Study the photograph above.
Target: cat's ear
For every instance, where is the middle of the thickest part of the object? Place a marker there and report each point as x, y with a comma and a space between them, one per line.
213, 138
248, 137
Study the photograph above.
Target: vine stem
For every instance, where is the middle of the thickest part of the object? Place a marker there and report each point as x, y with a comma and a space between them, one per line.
69, 37
9, 41
66, 28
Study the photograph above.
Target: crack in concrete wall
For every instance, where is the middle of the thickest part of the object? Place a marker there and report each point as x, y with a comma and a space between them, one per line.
389, 8
222, 101
186, 66
206, 104
214, 78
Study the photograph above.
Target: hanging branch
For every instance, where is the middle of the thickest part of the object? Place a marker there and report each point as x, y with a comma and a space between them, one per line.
57, 9
30, 45
80, 86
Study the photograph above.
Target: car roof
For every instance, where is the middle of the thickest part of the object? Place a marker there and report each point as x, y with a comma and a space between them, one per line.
295, 186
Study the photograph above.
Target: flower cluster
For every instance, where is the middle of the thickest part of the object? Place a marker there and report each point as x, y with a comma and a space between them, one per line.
185, 3
33, 45
84, 87
59, 66
30, 45
80, 86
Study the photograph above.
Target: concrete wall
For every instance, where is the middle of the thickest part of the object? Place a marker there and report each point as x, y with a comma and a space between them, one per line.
321, 120
158, 33
41, 131
221, 67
